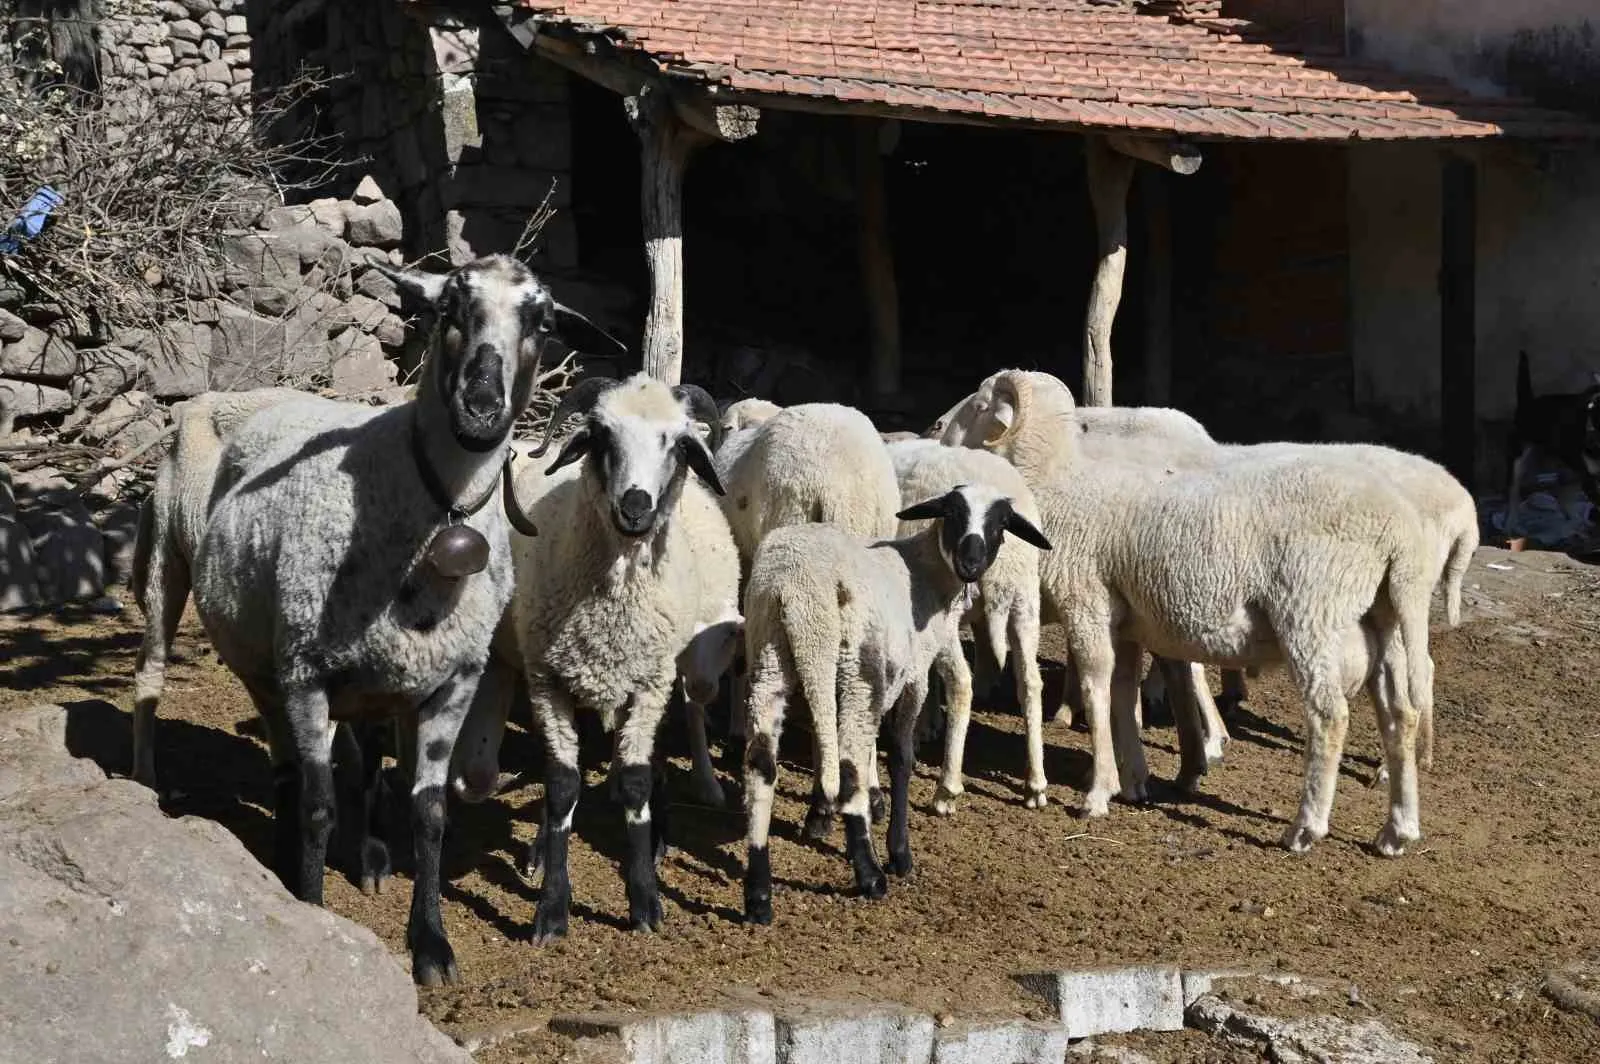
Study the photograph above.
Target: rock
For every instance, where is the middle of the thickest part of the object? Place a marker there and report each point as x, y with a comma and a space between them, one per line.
1112, 1000
367, 192
364, 312
374, 284
1013, 1042
258, 258
827, 1033
129, 420
391, 331
377, 225
185, 30
24, 399
108, 370
119, 526
214, 22
38, 356
213, 71
197, 8
176, 361
182, 78
1307, 1039
12, 328
18, 587
229, 967
184, 50
723, 1037
329, 214
313, 245
158, 55
286, 217
359, 364
237, 25
270, 300
68, 551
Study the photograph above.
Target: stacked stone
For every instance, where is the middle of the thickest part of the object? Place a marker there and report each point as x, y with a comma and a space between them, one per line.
182, 44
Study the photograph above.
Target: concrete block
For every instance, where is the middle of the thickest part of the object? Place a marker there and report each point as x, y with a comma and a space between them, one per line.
1004, 1042
844, 1034
742, 1036
1113, 1000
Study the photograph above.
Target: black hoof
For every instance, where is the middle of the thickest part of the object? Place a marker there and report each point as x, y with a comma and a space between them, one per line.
549, 923
900, 864
873, 885
434, 964
877, 805
758, 909
375, 866
818, 825
644, 914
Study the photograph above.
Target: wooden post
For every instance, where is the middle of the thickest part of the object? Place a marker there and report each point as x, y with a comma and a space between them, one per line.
877, 263
1458, 315
1157, 287
1110, 173
665, 144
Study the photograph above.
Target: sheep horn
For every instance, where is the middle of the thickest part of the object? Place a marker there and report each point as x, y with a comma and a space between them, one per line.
579, 399
698, 402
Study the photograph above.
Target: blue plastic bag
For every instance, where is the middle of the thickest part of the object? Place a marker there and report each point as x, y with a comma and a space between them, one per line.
30, 222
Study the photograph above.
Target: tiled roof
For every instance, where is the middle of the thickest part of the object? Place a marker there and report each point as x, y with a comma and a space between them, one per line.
1075, 63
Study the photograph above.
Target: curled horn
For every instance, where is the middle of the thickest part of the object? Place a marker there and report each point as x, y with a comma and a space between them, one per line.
698, 402
580, 399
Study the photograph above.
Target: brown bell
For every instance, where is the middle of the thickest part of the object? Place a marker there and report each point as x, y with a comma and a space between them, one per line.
457, 551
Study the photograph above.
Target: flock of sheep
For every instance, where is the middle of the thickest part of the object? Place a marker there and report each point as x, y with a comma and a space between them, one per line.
357, 566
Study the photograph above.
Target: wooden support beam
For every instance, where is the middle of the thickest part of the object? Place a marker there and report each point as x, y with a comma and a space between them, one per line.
694, 107
877, 262
665, 144
1110, 173
1166, 152
1156, 208
1458, 338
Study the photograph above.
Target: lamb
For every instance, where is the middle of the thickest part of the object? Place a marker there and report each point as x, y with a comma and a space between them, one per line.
1297, 555
353, 567
745, 413
1006, 616
608, 597
855, 626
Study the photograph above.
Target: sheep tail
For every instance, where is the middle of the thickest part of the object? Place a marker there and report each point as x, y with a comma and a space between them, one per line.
144, 537
816, 665
1455, 572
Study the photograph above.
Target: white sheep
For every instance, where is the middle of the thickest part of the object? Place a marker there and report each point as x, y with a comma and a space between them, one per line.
855, 626
609, 596
1247, 563
743, 413
355, 562
1005, 617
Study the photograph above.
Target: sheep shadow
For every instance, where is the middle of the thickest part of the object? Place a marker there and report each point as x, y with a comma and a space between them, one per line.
1001, 758
37, 658
203, 771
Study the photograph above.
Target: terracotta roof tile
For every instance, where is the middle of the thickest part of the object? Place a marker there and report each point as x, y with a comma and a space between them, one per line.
1169, 66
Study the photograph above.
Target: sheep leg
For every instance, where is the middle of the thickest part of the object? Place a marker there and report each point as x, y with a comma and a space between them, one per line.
1193, 742
856, 742
707, 788
555, 713
1214, 729
1327, 717
902, 760
165, 589
312, 734
1030, 695
660, 814
439, 720
739, 694
767, 705
1234, 691
1398, 724
877, 804
819, 813
1096, 660
636, 781
1125, 724
1153, 690
957, 682
359, 776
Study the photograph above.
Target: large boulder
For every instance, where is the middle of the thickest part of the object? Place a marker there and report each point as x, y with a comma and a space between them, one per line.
38, 356
18, 587
130, 936
68, 551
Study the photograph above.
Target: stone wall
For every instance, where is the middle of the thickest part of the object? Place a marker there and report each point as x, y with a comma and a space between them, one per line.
203, 44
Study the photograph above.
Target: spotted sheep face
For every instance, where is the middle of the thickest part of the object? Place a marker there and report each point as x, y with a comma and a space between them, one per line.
639, 439
973, 520
492, 318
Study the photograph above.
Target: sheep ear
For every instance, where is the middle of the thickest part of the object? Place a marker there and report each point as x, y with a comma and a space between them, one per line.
695, 455
581, 334
422, 288
930, 510
1024, 530
576, 447
1004, 413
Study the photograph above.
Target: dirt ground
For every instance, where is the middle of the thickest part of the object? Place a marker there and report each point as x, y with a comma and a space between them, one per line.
1449, 943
